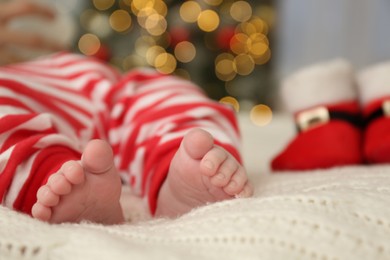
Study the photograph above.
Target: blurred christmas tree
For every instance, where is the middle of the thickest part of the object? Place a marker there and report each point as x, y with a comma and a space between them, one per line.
222, 45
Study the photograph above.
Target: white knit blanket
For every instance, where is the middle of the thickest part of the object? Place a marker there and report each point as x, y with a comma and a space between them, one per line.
340, 213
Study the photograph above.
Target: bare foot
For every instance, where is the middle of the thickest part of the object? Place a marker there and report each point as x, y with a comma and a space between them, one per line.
200, 172
87, 190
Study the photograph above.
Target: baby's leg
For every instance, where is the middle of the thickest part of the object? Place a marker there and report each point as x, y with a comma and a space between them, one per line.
49, 110
148, 126
86, 190
201, 172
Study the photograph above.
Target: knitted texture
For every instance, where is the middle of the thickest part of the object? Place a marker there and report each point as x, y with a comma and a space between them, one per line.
341, 213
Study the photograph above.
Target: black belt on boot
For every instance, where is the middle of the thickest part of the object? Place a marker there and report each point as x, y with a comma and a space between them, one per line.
321, 115
384, 110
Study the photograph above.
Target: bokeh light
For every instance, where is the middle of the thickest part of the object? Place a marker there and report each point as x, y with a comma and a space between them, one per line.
232, 30
260, 25
225, 68
190, 11
263, 59
120, 20
261, 115
247, 28
103, 4
208, 20
258, 44
89, 44
160, 7
156, 24
138, 5
152, 53
239, 43
165, 63
244, 64
241, 11
185, 51
125, 4
144, 14
231, 101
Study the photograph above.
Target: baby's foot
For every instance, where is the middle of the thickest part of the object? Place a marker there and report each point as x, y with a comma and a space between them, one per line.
87, 190
200, 172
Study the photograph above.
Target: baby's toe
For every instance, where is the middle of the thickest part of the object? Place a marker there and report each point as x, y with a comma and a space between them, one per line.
46, 197
212, 161
41, 212
237, 182
73, 172
59, 184
224, 173
247, 191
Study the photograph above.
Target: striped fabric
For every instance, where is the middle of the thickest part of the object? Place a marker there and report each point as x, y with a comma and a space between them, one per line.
50, 108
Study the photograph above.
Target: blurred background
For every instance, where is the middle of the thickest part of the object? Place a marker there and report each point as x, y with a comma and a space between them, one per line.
237, 51
222, 45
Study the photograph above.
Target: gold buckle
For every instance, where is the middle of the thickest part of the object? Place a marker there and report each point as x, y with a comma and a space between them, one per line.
386, 107
313, 117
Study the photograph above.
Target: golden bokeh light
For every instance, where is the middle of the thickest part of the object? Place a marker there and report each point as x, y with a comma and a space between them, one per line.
240, 43
165, 63
244, 64
242, 46
241, 11
225, 67
185, 51
224, 56
190, 11
263, 59
125, 4
152, 53
160, 7
225, 70
259, 37
120, 20
89, 44
261, 115
259, 44
144, 14
156, 24
246, 28
258, 49
208, 20
260, 25
102, 5
231, 101
138, 5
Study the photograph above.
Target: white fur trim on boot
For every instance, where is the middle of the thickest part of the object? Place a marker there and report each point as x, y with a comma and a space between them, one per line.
320, 84
374, 82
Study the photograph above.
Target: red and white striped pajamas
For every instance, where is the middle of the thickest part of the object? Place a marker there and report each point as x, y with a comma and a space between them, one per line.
50, 108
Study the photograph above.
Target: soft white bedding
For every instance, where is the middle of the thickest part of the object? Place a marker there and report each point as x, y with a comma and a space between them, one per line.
340, 213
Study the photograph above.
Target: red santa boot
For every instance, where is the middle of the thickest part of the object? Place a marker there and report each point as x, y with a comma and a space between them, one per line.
374, 90
323, 100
